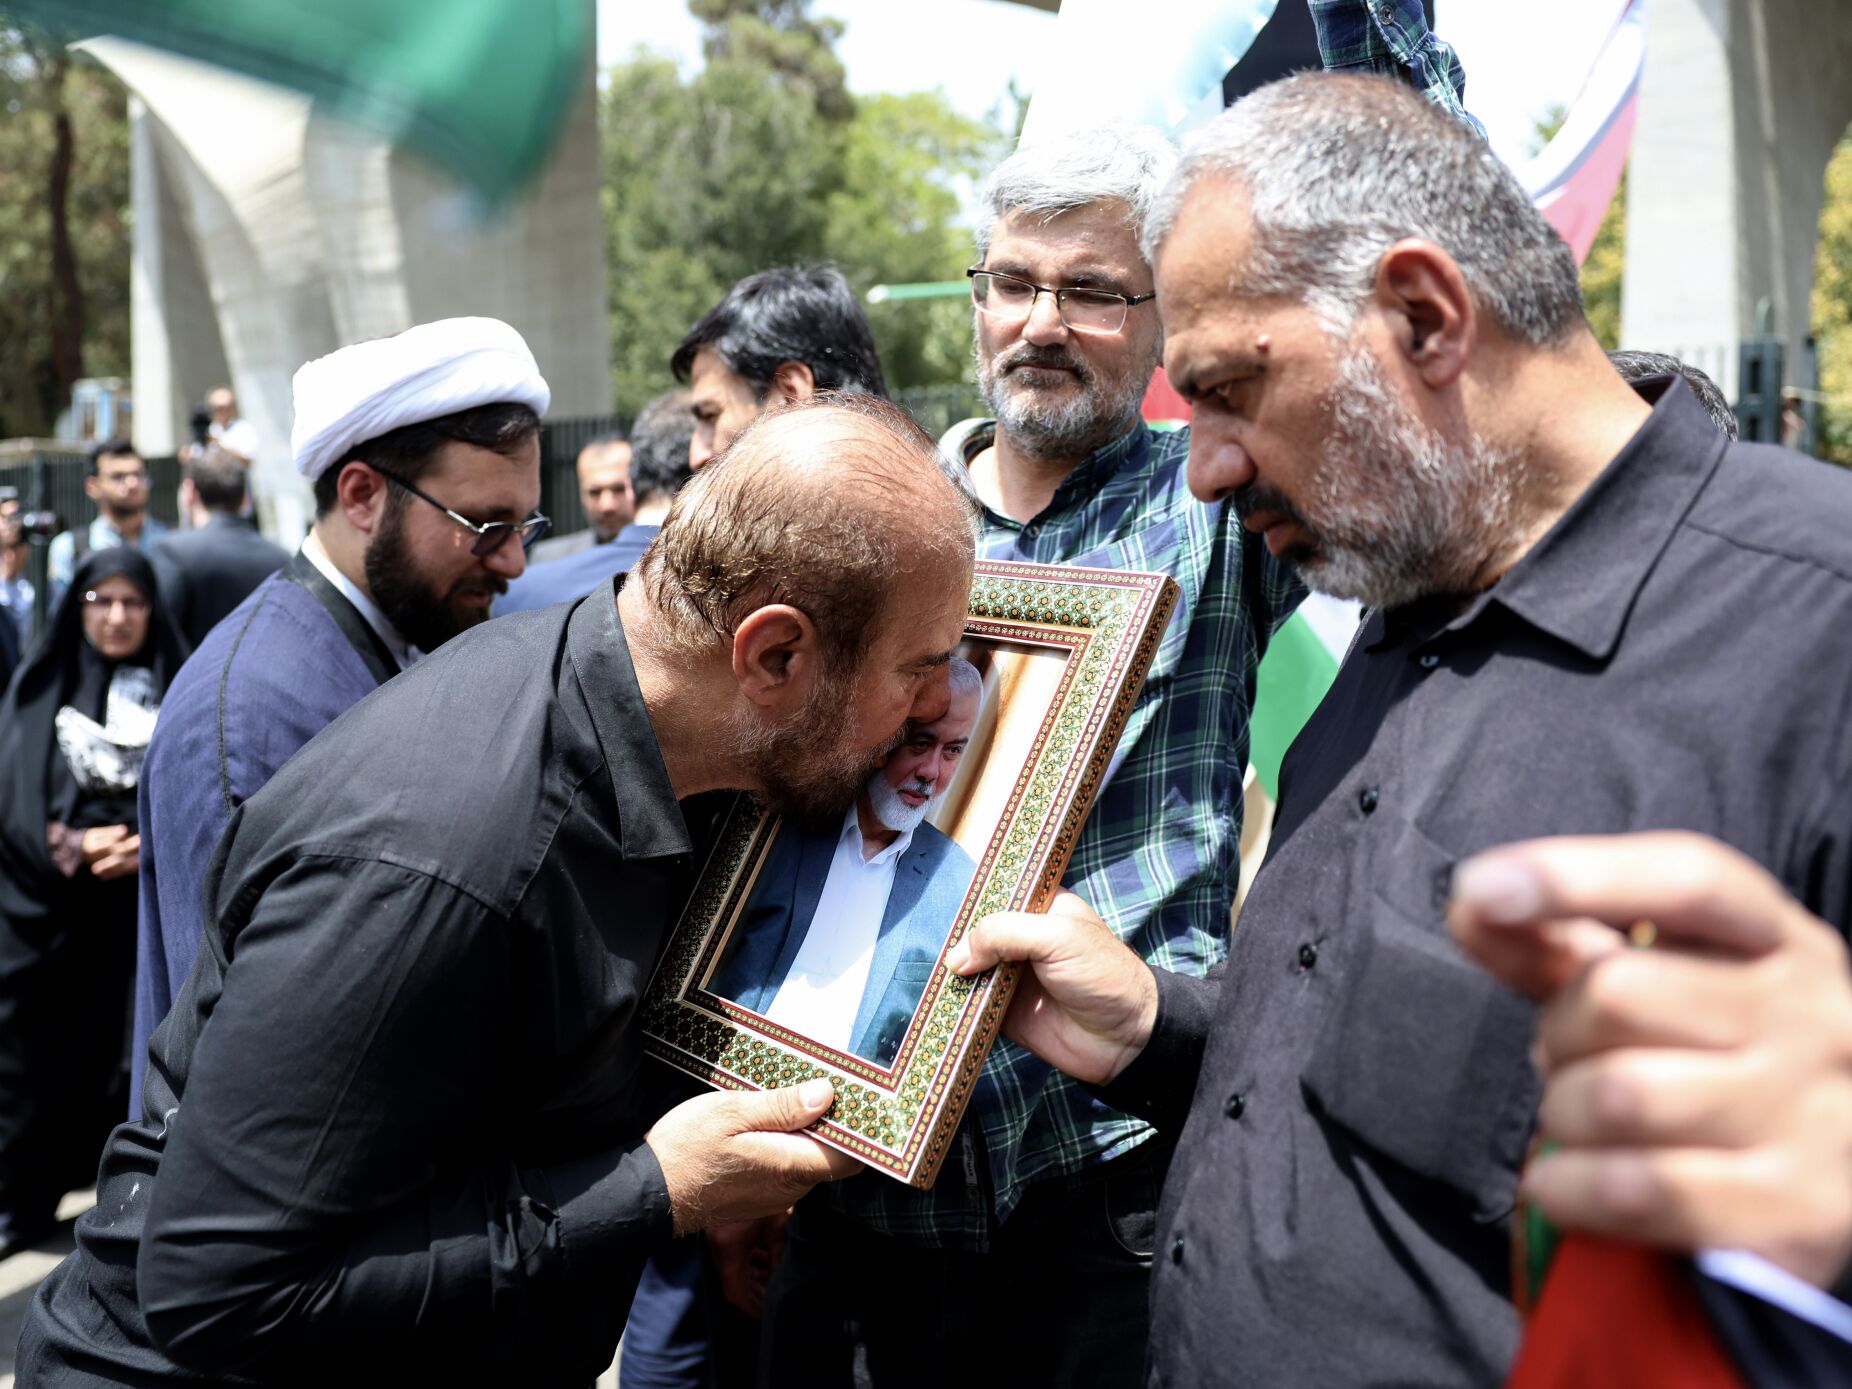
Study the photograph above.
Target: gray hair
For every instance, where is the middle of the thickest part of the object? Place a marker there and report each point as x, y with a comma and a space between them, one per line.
1337, 168
1123, 163
1644, 366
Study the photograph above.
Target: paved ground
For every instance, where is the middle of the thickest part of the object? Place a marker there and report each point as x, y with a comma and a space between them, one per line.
20, 1275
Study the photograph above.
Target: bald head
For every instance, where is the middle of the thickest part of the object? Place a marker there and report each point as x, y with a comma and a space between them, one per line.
833, 506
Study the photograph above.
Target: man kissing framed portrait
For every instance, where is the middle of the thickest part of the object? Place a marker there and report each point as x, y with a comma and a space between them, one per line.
816, 949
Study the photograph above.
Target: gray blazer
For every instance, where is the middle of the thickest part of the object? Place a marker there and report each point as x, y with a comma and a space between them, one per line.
930, 883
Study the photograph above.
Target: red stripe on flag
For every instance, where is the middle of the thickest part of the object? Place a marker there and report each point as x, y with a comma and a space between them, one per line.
1162, 403
1619, 1316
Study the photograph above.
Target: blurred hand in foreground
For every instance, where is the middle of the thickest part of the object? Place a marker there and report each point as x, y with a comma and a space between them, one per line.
1700, 1089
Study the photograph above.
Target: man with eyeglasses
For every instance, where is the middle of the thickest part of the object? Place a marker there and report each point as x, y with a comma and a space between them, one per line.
424, 452
1049, 1205
116, 480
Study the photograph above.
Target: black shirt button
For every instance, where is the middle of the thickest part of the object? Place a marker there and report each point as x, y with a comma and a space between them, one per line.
1367, 799
1429, 660
1236, 1106
1308, 955
1176, 1250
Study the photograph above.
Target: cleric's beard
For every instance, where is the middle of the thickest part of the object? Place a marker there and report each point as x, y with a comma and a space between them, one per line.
424, 617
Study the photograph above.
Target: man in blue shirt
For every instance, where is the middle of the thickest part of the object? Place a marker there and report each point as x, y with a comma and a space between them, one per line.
116, 479
424, 451
658, 468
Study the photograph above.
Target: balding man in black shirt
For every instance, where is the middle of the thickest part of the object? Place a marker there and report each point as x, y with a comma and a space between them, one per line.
394, 1129
1591, 613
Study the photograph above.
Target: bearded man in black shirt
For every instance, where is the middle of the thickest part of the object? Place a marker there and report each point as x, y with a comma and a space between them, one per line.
1591, 613
394, 1128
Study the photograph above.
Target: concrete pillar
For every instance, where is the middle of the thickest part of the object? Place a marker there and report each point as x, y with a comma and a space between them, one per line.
303, 233
1741, 105
169, 302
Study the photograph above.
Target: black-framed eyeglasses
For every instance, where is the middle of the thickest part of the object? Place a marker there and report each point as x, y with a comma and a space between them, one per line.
1012, 299
490, 535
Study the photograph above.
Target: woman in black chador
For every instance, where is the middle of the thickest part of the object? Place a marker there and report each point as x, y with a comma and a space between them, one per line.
74, 725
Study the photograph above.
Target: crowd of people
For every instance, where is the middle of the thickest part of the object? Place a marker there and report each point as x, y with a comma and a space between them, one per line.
350, 909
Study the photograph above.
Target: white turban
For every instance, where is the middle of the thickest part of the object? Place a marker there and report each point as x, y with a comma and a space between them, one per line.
369, 389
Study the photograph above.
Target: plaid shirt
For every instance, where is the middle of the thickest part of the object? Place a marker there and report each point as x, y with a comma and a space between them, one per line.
1159, 856
1391, 36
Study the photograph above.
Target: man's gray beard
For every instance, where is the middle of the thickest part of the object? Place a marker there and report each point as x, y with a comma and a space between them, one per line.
801, 767
1062, 431
1399, 512
893, 812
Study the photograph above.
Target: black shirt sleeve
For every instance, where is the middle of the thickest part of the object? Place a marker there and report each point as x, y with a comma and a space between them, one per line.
1160, 1080
321, 1193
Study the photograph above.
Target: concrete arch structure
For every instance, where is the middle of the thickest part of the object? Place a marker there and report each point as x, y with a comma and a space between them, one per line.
1741, 105
274, 236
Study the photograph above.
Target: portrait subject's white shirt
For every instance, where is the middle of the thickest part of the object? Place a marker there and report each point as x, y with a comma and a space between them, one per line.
823, 992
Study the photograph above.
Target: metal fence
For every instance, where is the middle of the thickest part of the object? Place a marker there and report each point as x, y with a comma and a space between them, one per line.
52, 479
937, 408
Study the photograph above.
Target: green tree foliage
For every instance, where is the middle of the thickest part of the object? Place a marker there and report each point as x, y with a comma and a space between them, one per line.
1601, 271
764, 158
64, 226
1832, 308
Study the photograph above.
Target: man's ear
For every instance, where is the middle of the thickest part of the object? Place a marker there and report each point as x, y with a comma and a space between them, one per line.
794, 381
775, 657
362, 495
93, 488
1421, 291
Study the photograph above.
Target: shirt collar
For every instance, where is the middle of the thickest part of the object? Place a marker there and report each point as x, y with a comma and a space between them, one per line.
402, 651
1084, 483
852, 831
105, 536
1580, 581
649, 822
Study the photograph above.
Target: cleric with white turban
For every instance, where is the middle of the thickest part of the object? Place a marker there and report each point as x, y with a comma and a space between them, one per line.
448, 411
372, 388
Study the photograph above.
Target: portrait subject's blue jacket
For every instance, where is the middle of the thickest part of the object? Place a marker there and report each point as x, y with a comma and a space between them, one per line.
930, 882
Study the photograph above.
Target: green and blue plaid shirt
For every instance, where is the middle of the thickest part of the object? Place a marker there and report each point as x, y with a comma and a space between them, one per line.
1392, 37
1159, 857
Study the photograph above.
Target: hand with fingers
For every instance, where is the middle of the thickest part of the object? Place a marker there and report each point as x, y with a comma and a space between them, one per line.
111, 851
1699, 1092
730, 1157
1086, 1004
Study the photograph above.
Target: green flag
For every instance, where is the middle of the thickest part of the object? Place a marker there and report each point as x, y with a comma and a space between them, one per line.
1300, 664
479, 87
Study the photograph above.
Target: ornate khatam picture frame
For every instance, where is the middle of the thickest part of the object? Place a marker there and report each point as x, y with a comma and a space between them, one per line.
742, 997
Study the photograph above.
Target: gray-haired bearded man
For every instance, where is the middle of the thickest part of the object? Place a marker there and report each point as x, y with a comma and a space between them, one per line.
1049, 1204
1593, 613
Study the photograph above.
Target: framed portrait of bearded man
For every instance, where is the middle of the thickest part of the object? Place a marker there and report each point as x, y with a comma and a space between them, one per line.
817, 949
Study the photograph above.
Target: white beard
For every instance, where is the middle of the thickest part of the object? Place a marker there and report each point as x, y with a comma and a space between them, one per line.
893, 812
